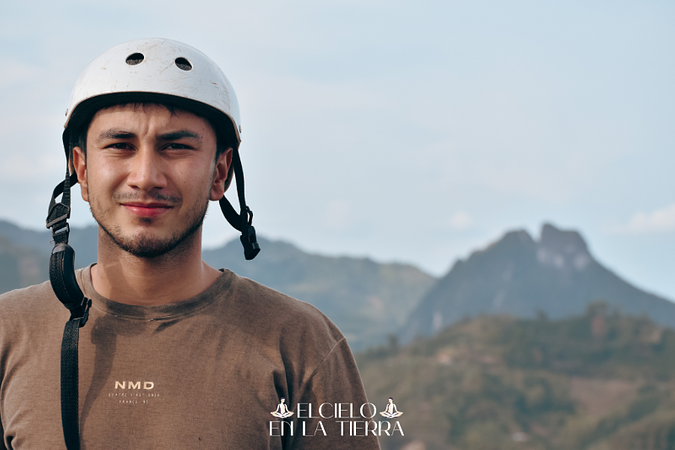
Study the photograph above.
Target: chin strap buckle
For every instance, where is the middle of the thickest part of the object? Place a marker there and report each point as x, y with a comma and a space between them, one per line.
251, 246
249, 240
58, 222
59, 212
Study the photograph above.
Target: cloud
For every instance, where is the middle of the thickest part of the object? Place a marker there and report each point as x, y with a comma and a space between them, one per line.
460, 221
15, 72
337, 215
658, 221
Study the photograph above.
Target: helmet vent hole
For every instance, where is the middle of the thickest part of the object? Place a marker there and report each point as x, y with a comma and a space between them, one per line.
135, 58
183, 64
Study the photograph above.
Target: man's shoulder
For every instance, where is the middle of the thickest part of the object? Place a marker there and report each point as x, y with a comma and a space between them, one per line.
31, 311
264, 308
28, 298
266, 297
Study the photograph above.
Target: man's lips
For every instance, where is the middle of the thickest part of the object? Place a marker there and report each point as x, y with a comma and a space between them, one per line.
147, 209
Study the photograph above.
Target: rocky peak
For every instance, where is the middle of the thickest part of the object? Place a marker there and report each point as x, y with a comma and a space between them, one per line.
562, 249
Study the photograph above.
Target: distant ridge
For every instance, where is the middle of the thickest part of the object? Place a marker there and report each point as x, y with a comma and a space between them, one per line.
555, 276
20, 266
24, 253
82, 239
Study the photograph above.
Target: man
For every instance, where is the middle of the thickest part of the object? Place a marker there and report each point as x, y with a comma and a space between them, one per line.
172, 353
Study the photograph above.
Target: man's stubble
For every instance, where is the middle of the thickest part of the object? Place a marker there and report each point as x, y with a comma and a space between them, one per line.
144, 244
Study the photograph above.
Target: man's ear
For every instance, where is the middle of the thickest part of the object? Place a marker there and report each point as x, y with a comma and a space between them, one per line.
221, 170
80, 167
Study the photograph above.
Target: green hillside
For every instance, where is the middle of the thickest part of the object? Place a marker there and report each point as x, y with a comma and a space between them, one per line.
600, 381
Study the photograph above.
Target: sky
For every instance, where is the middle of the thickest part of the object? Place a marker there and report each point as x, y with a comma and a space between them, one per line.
403, 131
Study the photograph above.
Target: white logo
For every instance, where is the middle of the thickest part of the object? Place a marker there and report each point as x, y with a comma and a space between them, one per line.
147, 385
390, 410
282, 410
345, 419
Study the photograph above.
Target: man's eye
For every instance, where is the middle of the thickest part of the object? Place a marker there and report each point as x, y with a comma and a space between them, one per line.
178, 146
119, 146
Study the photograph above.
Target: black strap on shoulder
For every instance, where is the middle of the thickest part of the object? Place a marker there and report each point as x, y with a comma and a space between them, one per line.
69, 384
64, 284
242, 221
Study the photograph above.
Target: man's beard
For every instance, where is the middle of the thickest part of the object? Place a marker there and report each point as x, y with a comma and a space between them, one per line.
146, 246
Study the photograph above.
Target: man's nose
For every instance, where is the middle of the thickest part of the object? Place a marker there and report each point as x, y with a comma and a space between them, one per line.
147, 170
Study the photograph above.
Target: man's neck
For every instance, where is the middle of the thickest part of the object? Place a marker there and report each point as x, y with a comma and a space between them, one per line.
175, 276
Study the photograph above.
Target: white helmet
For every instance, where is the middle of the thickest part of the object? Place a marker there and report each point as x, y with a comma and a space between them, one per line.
160, 70
166, 72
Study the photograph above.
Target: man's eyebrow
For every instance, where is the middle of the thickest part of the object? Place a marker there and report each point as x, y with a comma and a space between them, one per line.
115, 133
182, 134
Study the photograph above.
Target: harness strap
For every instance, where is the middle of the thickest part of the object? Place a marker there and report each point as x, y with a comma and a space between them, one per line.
64, 284
69, 384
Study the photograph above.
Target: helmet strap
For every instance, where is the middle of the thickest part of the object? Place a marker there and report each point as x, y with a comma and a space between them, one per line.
243, 220
59, 212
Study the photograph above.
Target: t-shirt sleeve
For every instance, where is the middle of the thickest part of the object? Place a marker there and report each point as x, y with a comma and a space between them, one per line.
333, 411
2, 428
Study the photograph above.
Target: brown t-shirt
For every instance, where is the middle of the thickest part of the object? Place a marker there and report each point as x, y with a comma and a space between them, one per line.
202, 373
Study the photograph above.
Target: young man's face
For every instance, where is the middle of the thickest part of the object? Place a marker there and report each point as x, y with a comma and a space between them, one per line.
148, 175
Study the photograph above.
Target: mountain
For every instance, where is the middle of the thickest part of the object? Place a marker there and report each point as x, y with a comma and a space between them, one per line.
20, 266
367, 300
556, 276
596, 381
